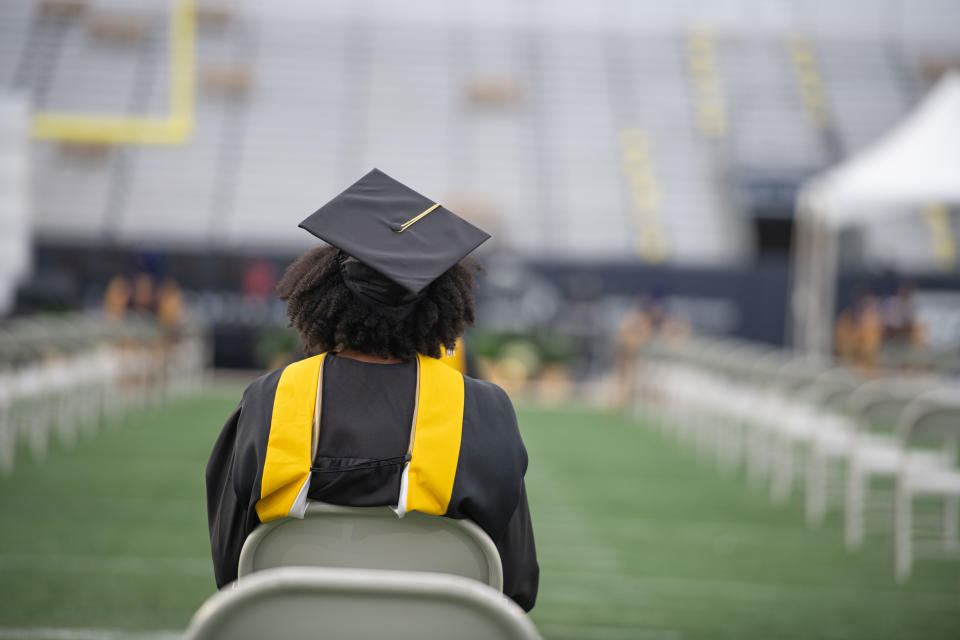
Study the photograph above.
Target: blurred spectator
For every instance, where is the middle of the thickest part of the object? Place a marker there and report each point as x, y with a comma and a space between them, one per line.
139, 291
116, 297
858, 333
143, 295
647, 318
170, 306
879, 330
903, 333
136, 293
900, 324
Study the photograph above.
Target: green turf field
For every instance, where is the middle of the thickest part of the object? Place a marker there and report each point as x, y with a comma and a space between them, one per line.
636, 540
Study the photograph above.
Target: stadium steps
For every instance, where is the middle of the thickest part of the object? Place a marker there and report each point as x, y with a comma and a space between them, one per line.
328, 91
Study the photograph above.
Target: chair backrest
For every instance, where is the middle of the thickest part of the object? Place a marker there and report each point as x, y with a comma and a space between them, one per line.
764, 368
933, 418
878, 404
738, 362
373, 538
798, 374
833, 388
312, 602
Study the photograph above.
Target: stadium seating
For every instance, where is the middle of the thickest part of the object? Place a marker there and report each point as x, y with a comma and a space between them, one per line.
373, 538
309, 602
542, 159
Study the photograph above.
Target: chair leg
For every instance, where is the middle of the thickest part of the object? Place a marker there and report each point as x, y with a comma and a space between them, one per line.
65, 420
750, 450
8, 441
853, 508
682, 422
782, 472
718, 448
729, 447
702, 436
816, 486
951, 512
758, 455
38, 421
903, 533
738, 445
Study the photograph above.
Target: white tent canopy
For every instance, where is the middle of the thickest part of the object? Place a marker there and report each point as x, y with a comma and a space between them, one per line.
915, 163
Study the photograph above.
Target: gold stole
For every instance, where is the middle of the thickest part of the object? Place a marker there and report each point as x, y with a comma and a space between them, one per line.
434, 439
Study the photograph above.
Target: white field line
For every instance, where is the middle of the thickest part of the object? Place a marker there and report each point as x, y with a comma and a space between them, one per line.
570, 587
111, 501
578, 526
102, 509
129, 565
67, 633
607, 633
691, 529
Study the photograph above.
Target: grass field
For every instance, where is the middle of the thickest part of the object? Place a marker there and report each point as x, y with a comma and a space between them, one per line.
635, 538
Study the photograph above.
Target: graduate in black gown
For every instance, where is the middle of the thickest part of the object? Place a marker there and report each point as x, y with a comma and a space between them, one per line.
376, 418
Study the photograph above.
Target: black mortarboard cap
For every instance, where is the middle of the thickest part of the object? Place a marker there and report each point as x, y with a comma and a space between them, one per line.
391, 228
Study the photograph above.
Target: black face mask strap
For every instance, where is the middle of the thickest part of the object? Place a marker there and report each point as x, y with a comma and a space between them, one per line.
376, 290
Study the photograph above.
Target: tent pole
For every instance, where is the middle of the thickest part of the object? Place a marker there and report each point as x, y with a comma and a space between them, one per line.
822, 299
801, 267
812, 295
828, 289
814, 277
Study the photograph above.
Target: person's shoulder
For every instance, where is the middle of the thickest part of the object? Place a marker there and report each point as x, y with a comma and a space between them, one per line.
487, 392
490, 407
490, 422
265, 384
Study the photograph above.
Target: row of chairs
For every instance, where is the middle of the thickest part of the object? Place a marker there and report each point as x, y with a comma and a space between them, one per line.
796, 421
68, 374
346, 572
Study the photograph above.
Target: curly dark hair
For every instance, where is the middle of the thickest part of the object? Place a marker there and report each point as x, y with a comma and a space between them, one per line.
329, 315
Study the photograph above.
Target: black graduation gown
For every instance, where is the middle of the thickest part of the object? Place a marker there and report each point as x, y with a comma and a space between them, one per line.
360, 454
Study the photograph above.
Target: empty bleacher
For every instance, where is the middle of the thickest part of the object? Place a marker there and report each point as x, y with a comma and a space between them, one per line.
515, 116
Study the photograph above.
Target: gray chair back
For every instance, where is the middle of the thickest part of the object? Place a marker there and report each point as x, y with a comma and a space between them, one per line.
933, 418
878, 404
300, 603
832, 390
797, 375
373, 538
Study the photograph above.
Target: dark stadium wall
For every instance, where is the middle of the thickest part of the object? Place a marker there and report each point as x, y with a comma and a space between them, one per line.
752, 300
755, 297
748, 302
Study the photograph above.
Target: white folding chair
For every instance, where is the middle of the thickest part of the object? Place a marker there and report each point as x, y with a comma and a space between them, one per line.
35, 407
875, 453
791, 420
309, 602
829, 442
373, 538
8, 425
764, 413
933, 418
